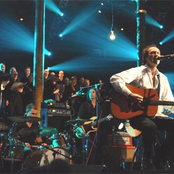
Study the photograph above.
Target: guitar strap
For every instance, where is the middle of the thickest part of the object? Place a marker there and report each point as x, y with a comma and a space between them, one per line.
158, 88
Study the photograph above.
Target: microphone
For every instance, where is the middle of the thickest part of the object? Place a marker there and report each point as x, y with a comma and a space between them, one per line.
79, 93
165, 56
99, 84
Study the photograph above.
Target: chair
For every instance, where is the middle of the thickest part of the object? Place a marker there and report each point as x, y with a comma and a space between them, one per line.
134, 133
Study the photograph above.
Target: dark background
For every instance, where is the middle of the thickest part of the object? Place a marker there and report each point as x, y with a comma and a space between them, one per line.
102, 56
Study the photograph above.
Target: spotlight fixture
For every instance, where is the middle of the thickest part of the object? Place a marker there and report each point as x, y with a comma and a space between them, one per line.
112, 35
49, 54
21, 19
161, 27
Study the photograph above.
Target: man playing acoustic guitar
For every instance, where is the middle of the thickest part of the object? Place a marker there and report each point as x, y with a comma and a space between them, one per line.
140, 87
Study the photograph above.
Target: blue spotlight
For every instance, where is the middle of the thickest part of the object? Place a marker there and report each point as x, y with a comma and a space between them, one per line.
169, 37
80, 19
153, 22
160, 43
60, 35
99, 11
53, 7
15, 36
161, 26
62, 14
47, 52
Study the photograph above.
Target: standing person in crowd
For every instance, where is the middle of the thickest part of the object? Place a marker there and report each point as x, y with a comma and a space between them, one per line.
8, 93
28, 95
149, 77
67, 90
81, 82
50, 86
4, 78
46, 74
74, 97
60, 84
25, 78
60, 77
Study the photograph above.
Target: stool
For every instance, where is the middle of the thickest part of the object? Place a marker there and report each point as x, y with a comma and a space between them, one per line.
140, 141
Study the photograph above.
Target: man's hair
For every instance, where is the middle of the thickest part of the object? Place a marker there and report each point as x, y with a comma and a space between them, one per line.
30, 106
145, 52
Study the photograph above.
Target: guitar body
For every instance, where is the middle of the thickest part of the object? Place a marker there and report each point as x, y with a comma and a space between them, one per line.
90, 126
93, 127
123, 108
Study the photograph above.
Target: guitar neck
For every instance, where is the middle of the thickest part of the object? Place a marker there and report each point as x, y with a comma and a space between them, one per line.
167, 103
99, 121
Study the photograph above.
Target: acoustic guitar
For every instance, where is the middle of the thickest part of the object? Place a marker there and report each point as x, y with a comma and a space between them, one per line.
90, 126
123, 108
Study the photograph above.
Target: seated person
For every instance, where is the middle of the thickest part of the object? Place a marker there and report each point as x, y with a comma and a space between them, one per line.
28, 132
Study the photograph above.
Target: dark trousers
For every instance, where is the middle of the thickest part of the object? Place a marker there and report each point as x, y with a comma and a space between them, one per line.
149, 126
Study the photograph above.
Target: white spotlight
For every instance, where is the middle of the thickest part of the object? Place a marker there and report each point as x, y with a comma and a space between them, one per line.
112, 35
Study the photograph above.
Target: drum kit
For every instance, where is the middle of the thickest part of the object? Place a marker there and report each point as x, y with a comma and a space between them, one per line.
59, 145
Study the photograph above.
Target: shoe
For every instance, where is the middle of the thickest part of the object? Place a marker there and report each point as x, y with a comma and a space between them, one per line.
163, 165
148, 165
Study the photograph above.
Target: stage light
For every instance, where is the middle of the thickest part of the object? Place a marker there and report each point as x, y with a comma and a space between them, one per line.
53, 7
62, 14
49, 54
112, 35
169, 37
160, 43
21, 19
99, 11
102, 3
122, 29
60, 35
161, 26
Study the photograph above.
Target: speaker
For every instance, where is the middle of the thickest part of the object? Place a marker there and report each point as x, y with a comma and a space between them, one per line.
58, 122
82, 168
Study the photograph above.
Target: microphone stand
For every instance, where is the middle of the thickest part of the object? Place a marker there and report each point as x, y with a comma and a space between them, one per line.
57, 152
85, 140
97, 104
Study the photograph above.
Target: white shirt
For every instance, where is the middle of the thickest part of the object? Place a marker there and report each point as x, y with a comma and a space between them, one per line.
142, 77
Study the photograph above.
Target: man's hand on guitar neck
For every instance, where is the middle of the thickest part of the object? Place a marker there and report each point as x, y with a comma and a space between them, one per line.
135, 98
